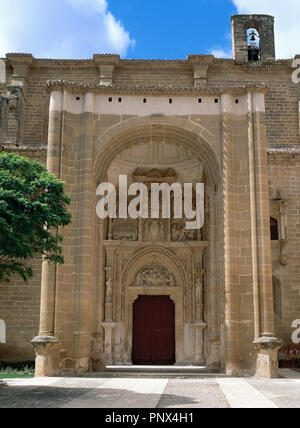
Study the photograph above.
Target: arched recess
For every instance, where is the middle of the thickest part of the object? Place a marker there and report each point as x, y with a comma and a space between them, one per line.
204, 145
140, 130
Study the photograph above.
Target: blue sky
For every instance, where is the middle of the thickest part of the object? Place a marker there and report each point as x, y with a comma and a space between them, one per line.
167, 29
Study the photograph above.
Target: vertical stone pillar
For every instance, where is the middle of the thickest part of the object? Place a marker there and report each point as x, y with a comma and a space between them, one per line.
267, 344
232, 304
46, 338
83, 250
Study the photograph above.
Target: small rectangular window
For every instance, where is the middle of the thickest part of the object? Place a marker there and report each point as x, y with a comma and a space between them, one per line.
120, 100
200, 100
170, 101
110, 100
216, 100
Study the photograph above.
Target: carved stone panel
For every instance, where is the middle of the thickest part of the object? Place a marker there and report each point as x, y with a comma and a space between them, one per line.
154, 275
180, 234
125, 230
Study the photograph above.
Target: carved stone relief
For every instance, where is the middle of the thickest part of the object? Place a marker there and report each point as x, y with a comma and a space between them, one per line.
199, 294
180, 234
125, 230
154, 275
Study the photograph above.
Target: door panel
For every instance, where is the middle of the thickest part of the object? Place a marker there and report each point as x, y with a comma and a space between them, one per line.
154, 331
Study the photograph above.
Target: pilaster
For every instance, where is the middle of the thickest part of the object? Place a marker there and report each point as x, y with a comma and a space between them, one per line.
200, 65
107, 65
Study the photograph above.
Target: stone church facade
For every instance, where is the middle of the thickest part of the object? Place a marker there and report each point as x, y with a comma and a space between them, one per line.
233, 287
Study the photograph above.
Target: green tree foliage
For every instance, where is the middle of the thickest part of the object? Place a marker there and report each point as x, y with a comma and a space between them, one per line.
33, 206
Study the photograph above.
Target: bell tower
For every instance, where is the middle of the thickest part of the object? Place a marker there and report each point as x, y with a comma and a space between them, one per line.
253, 38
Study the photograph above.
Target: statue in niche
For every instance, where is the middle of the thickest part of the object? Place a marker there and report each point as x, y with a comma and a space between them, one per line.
199, 291
154, 230
109, 290
154, 275
180, 234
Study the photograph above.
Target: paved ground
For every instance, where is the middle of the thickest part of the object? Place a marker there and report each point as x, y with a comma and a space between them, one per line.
153, 393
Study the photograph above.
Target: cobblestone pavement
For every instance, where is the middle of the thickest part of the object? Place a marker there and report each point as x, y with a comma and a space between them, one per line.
153, 393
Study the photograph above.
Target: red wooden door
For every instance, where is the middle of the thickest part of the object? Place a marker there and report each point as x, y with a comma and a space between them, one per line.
153, 331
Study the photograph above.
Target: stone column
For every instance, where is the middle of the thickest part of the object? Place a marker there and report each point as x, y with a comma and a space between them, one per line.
266, 344
84, 248
46, 337
232, 314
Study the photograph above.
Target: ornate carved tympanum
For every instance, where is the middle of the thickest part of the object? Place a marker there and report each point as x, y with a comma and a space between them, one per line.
154, 275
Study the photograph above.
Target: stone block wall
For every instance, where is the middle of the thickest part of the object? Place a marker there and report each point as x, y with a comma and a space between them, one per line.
284, 173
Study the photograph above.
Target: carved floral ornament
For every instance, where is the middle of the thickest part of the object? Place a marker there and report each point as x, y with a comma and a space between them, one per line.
154, 275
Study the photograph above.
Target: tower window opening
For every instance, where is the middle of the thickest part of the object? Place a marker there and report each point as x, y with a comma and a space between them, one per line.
253, 41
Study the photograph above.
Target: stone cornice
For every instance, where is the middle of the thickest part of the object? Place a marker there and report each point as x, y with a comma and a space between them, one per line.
75, 87
16, 60
283, 151
12, 148
146, 64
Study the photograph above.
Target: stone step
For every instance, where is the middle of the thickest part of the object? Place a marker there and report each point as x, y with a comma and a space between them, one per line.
147, 375
156, 372
157, 369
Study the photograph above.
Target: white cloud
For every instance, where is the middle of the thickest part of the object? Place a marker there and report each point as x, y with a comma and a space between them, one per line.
61, 28
287, 28
221, 53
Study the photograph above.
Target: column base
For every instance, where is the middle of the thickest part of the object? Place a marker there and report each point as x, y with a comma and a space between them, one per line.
43, 345
267, 357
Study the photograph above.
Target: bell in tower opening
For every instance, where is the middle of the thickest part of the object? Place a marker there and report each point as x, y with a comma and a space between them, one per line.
253, 45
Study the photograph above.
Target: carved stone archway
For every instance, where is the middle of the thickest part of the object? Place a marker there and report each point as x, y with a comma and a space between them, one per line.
195, 138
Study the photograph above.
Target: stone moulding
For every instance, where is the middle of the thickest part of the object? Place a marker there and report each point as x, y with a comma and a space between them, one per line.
75, 87
285, 151
12, 148
153, 63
